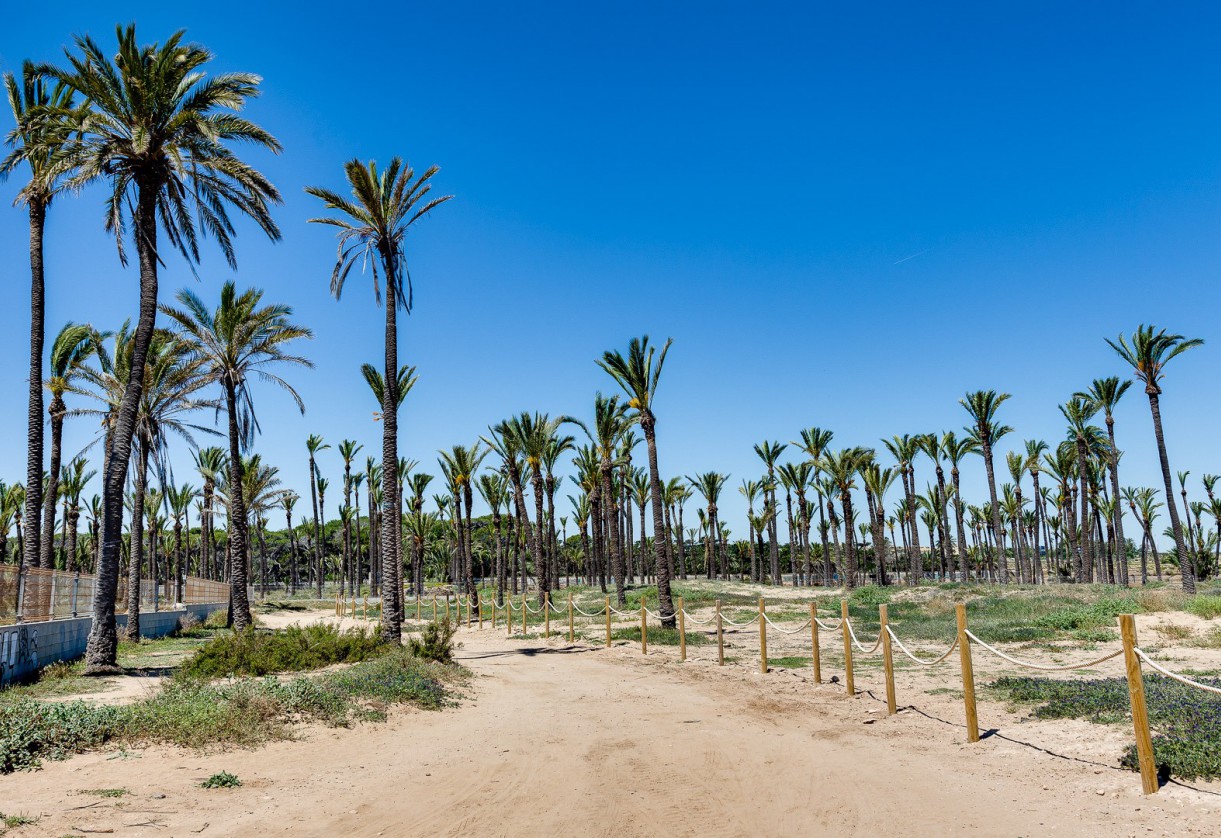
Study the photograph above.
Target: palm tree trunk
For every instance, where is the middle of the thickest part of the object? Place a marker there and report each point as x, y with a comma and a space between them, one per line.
665, 569
47, 539
997, 529
1186, 567
31, 551
102, 646
239, 573
134, 566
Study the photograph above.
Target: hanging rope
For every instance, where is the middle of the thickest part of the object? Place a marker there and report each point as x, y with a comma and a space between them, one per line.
577, 608
920, 661
739, 625
1182, 679
860, 645
1042, 667
826, 627
777, 627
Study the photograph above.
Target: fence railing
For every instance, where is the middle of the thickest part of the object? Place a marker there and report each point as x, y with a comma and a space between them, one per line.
32, 595
965, 641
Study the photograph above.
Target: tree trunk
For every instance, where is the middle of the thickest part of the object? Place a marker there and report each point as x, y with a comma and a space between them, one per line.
31, 552
134, 566
47, 539
102, 647
665, 569
1186, 567
1003, 560
238, 536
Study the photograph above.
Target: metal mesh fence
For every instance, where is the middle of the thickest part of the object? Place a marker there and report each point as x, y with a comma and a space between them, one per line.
36, 594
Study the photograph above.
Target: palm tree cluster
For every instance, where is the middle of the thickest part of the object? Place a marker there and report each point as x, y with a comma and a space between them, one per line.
150, 126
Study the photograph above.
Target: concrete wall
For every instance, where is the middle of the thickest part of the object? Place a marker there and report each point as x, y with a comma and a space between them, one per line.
27, 647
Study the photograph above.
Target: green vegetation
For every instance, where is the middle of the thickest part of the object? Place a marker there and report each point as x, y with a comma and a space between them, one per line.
192, 713
659, 636
221, 780
791, 662
1186, 721
1207, 606
295, 649
436, 642
14, 821
107, 792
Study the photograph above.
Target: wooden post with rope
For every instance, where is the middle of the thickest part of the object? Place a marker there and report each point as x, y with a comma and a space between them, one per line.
720, 637
364, 610
493, 614
815, 657
849, 683
570, 616
525, 612
547, 615
968, 674
888, 662
479, 607
682, 632
608, 621
762, 637
644, 630
417, 609
1140, 713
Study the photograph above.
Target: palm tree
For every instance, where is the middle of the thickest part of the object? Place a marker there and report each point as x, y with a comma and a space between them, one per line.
180, 499
211, 464
814, 443
72, 347
904, 449
709, 484
159, 129
460, 465
1148, 353
769, 453
955, 451
610, 424
842, 467
638, 375
288, 499
1104, 394
348, 449
1035, 449
38, 141
982, 406
73, 483
373, 226
1078, 411
236, 342
314, 444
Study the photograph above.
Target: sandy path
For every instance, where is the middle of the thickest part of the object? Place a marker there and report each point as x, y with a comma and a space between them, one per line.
577, 740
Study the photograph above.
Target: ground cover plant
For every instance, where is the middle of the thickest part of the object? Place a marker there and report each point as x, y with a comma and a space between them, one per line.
192, 712
294, 649
1186, 721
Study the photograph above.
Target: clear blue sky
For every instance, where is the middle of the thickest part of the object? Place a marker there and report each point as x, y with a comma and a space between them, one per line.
844, 216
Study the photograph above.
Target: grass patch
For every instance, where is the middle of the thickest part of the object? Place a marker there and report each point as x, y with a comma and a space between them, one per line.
660, 636
1186, 721
791, 662
221, 780
1207, 606
295, 649
1212, 640
106, 792
194, 713
14, 821
1170, 632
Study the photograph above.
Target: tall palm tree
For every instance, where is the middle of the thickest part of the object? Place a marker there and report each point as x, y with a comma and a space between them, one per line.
610, 424
211, 464
814, 443
159, 129
955, 451
493, 488
37, 140
709, 484
1035, 449
904, 449
841, 468
1105, 394
180, 499
1148, 353
348, 449
460, 465
236, 342
1078, 411
314, 444
372, 229
638, 375
73, 483
982, 406
73, 346
769, 453
288, 499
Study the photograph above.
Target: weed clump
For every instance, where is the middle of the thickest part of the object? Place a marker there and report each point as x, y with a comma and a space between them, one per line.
436, 641
295, 649
221, 780
1207, 606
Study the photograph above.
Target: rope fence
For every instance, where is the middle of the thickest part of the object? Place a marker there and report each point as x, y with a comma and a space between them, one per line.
964, 642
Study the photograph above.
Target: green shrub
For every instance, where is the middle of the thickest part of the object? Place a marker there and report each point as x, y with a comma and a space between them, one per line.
294, 649
436, 641
217, 619
221, 780
869, 596
660, 636
32, 730
1207, 606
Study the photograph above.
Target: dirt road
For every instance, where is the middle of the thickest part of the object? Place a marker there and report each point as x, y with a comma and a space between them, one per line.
577, 740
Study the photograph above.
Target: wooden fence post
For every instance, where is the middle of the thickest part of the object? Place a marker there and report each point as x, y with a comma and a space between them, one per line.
364, 610
525, 612
1140, 714
887, 661
682, 632
762, 637
547, 615
417, 609
608, 621
644, 630
847, 633
570, 616
968, 674
479, 608
814, 650
720, 637
493, 614
434, 608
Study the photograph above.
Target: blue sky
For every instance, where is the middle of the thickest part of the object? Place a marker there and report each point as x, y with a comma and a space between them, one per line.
844, 216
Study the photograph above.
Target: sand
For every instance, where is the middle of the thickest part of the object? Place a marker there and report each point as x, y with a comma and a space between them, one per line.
560, 739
